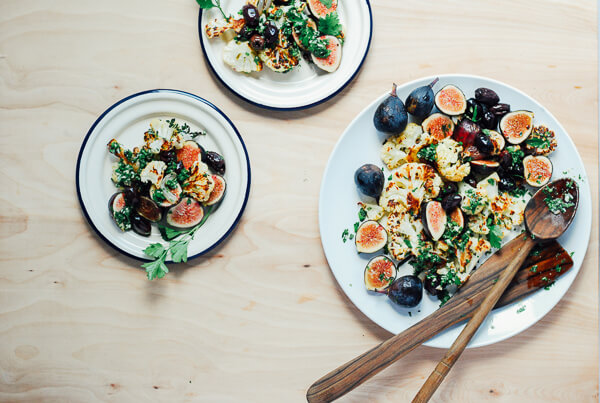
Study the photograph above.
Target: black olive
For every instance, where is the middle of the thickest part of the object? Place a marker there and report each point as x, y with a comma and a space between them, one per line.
140, 225
451, 201
251, 15
131, 195
489, 120
486, 96
246, 32
257, 42
431, 282
271, 35
473, 111
282, 2
506, 184
500, 109
471, 181
505, 160
215, 162
167, 155
449, 188
484, 143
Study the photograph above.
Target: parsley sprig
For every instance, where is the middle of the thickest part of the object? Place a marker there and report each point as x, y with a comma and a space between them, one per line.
208, 4
330, 25
178, 247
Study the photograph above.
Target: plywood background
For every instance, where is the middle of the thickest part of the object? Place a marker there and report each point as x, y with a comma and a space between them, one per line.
261, 318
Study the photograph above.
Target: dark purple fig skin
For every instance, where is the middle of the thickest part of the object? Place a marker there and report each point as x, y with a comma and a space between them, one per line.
406, 291
391, 116
370, 180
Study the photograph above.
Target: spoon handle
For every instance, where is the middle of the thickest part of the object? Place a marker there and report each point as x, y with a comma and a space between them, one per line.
459, 345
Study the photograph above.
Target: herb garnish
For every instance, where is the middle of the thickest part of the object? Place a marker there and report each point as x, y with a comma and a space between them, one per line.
208, 4
428, 153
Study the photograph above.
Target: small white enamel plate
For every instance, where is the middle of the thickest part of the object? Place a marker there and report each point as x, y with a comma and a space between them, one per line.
304, 86
361, 144
127, 121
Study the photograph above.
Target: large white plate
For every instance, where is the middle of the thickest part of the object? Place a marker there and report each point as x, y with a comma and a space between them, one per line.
306, 85
127, 120
361, 144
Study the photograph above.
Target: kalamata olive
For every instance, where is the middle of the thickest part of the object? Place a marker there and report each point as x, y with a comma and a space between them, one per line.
282, 2
271, 35
431, 282
140, 225
473, 111
246, 32
179, 166
484, 143
471, 181
505, 160
449, 188
451, 201
257, 42
500, 109
167, 155
486, 96
488, 120
251, 15
506, 184
215, 162
131, 195
141, 187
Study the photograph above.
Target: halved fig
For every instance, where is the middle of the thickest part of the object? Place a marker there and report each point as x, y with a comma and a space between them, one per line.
116, 205
141, 226
458, 217
485, 166
451, 100
380, 272
218, 191
148, 209
434, 219
466, 131
516, 126
537, 170
320, 10
438, 125
189, 153
370, 237
497, 140
331, 62
186, 214
311, 24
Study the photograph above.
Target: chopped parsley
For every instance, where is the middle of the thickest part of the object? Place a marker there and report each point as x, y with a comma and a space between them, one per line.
534, 268
362, 214
521, 309
428, 153
495, 236
345, 235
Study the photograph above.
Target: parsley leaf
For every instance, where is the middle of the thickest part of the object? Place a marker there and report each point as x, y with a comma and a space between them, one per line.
327, 3
179, 249
362, 214
208, 4
155, 250
330, 25
495, 236
156, 268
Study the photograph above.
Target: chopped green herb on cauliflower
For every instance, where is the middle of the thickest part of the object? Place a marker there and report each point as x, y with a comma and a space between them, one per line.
410, 185
449, 162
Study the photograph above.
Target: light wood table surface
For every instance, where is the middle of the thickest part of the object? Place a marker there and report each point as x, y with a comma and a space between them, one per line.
262, 317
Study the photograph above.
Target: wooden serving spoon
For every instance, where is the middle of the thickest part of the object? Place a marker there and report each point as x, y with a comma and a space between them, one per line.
536, 274
542, 224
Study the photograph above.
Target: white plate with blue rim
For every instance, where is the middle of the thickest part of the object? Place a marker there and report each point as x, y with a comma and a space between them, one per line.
361, 143
126, 121
306, 85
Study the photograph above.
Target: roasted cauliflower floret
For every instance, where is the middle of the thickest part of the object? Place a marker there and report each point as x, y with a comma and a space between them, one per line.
541, 141
410, 185
240, 57
403, 147
199, 185
219, 26
373, 211
405, 233
449, 163
153, 172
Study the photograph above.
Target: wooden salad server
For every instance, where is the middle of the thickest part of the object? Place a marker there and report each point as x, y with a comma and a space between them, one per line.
537, 272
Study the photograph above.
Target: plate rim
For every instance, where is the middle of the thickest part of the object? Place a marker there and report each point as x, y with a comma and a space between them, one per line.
292, 108
469, 76
135, 95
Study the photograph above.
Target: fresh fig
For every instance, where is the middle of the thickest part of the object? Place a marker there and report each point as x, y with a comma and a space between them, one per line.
320, 10
451, 100
537, 170
406, 291
370, 237
141, 226
484, 167
486, 96
190, 153
148, 209
370, 180
218, 191
420, 101
117, 202
434, 219
216, 162
186, 214
439, 126
380, 272
458, 217
309, 23
466, 131
331, 62
516, 126
118, 211
390, 116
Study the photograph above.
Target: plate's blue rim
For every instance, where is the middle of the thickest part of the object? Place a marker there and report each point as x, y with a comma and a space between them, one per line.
196, 97
295, 108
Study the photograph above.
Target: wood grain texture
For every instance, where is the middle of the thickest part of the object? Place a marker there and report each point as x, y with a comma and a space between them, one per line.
261, 317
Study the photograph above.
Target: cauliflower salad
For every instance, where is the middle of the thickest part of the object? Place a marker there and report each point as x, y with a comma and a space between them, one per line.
452, 188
